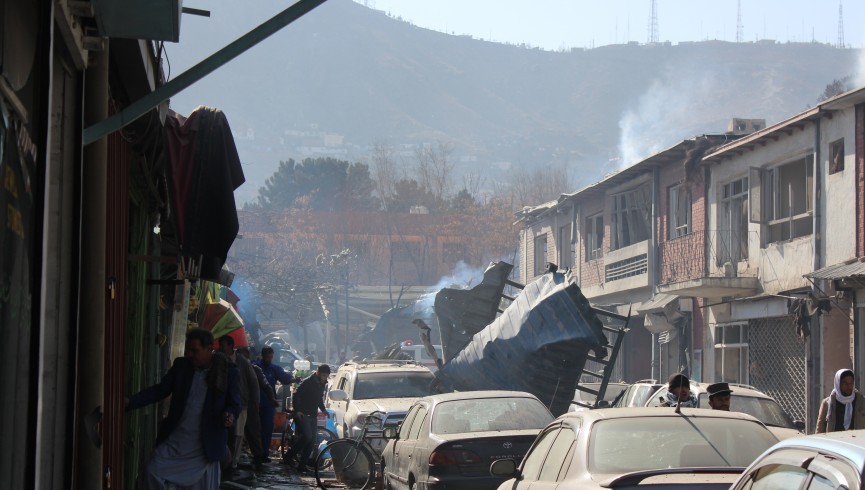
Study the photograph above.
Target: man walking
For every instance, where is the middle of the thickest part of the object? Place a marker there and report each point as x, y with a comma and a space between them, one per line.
272, 373
205, 402
307, 400
248, 384
719, 396
253, 412
844, 408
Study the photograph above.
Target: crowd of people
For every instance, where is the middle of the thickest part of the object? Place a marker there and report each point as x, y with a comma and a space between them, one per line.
219, 399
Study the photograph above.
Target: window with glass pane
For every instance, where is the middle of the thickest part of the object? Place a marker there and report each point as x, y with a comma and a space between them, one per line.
594, 237
679, 212
731, 353
535, 459
630, 217
733, 223
540, 255
779, 476
556, 457
789, 200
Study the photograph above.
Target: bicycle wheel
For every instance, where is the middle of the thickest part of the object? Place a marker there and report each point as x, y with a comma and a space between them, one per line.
351, 465
325, 436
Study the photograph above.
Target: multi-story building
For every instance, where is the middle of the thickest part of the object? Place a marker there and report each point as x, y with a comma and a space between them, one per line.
739, 253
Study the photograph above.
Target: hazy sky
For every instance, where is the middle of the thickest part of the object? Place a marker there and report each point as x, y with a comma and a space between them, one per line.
554, 24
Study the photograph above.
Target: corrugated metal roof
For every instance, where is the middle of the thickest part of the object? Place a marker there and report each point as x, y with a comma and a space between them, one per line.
851, 268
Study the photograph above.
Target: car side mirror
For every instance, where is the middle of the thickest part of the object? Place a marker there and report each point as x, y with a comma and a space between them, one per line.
505, 468
799, 425
338, 395
603, 404
390, 433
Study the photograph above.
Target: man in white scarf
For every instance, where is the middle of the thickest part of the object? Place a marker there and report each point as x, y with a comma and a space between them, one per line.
844, 408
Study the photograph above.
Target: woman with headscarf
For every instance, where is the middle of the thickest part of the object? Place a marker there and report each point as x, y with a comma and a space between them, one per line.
844, 408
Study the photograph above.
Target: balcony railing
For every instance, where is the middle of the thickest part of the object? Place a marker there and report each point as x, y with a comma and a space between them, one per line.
685, 257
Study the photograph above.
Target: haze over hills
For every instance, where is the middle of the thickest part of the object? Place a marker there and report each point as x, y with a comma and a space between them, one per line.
344, 77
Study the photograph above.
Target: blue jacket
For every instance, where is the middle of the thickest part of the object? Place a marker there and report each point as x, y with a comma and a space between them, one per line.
177, 382
273, 372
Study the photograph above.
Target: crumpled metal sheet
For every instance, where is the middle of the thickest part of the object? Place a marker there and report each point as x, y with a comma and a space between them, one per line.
538, 345
461, 313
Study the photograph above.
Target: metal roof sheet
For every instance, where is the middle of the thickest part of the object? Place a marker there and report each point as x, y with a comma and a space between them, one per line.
850, 268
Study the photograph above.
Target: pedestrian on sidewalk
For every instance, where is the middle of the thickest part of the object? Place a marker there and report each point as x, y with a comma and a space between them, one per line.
307, 400
205, 402
272, 373
248, 384
264, 394
844, 408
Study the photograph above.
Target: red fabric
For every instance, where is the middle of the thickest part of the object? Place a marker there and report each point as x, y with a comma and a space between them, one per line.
239, 337
180, 134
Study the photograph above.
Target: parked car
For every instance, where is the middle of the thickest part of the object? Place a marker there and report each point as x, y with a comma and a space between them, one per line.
633, 447
449, 440
822, 461
746, 399
388, 386
637, 394
582, 398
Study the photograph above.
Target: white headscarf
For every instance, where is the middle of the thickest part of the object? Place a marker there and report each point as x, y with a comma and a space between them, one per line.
846, 400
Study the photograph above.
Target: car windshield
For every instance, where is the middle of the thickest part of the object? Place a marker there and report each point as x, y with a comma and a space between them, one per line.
392, 385
646, 443
763, 409
489, 414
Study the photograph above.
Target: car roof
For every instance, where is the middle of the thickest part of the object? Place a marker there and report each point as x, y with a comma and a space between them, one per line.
848, 443
477, 395
383, 366
633, 412
738, 390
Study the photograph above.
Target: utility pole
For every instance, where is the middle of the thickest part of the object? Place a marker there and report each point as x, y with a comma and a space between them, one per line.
740, 30
653, 23
841, 43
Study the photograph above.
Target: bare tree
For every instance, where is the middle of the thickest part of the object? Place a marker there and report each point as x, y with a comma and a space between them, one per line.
435, 169
531, 188
383, 170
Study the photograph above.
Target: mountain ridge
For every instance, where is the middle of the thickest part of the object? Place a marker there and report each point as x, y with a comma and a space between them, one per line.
344, 77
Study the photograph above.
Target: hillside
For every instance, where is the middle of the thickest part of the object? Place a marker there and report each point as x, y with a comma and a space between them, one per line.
361, 77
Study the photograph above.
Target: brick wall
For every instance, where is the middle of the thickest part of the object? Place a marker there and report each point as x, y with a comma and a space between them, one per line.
684, 257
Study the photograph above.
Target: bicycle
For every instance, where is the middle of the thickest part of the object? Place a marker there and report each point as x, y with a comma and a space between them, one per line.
290, 438
352, 460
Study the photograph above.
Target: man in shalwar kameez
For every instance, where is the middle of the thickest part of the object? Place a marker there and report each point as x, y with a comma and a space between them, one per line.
205, 402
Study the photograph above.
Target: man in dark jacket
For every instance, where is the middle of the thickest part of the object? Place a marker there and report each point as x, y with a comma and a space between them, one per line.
307, 400
272, 373
205, 401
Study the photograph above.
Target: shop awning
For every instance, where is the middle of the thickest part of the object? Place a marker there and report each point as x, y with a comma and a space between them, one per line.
220, 318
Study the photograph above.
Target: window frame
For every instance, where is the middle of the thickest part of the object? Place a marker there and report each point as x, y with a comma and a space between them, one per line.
742, 346
567, 252
674, 195
594, 231
728, 199
541, 265
624, 208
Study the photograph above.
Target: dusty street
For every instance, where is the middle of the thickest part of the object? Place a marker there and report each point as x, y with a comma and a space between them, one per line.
275, 475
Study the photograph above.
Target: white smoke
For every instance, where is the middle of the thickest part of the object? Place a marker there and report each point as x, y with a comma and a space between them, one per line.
462, 277
665, 114
859, 78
